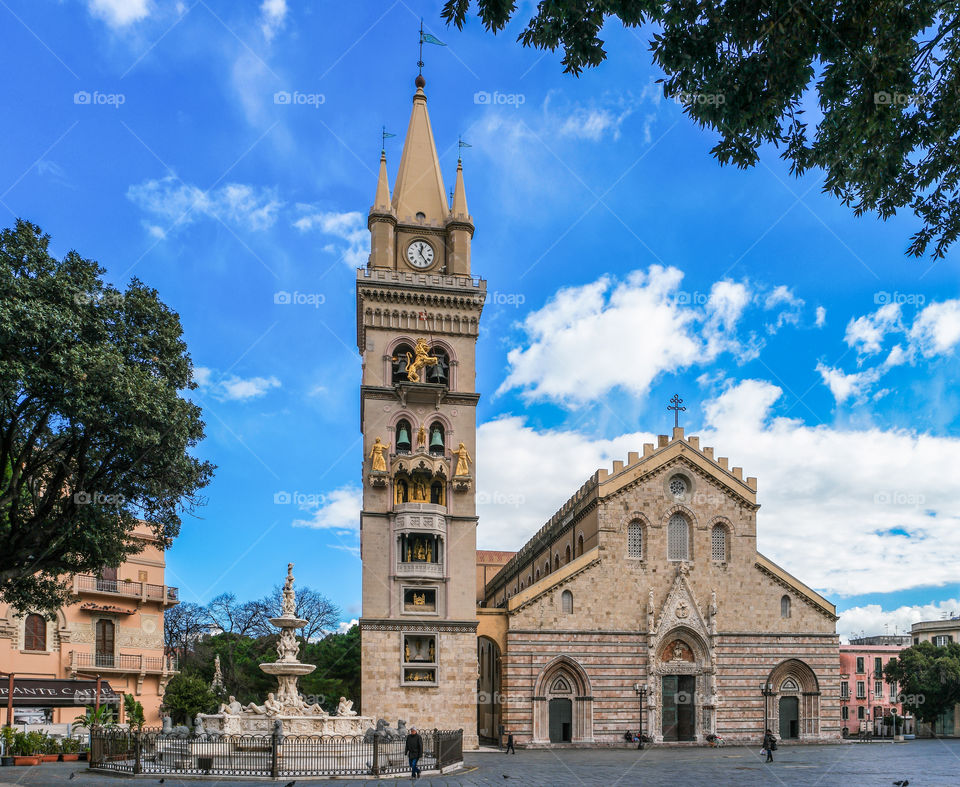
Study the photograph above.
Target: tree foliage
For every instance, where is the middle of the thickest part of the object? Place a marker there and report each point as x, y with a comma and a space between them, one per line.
95, 437
883, 77
928, 677
185, 697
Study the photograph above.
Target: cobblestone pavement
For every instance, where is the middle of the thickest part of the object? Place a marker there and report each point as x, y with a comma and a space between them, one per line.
924, 763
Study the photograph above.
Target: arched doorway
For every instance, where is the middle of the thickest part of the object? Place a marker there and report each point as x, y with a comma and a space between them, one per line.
562, 704
794, 705
488, 689
682, 688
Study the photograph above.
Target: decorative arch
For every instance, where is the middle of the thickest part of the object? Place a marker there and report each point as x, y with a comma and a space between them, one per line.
719, 542
679, 537
556, 561
682, 652
563, 681
580, 544
488, 686
567, 555
786, 606
796, 691
635, 539
680, 508
566, 602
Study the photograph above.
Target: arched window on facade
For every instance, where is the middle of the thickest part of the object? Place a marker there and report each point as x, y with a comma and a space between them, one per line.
785, 607
546, 568
678, 538
438, 442
538, 574
439, 373
718, 543
566, 602
35, 633
580, 545
567, 554
403, 436
634, 540
401, 359
556, 561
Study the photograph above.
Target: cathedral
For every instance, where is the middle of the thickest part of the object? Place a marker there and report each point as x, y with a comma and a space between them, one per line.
641, 603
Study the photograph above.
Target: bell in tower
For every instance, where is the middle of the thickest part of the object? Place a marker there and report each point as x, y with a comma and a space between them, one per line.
436, 440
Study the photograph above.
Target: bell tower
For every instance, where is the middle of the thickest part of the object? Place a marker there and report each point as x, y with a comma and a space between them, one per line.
418, 316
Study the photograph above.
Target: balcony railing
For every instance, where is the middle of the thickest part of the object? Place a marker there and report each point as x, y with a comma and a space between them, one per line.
419, 569
87, 583
122, 662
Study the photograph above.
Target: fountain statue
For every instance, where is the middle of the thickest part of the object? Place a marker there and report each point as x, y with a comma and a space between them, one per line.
286, 705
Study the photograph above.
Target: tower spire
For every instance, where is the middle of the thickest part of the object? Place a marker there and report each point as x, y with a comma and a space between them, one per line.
381, 202
419, 185
459, 195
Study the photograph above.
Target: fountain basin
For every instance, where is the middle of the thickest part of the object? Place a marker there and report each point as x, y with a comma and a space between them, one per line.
287, 668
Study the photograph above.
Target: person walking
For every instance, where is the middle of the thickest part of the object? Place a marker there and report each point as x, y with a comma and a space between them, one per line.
510, 743
414, 751
769, 742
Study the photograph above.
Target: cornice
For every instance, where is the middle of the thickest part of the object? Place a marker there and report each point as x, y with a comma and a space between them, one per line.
425, 626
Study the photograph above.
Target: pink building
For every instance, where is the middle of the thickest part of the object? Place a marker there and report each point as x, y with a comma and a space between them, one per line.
865, 696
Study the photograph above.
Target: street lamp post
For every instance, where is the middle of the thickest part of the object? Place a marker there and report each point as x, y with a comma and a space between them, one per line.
766, 689
641, 690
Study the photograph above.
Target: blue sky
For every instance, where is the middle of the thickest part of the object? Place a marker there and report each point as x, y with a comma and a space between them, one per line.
624, 263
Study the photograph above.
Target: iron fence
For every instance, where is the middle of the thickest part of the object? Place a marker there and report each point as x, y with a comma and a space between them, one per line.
154, 752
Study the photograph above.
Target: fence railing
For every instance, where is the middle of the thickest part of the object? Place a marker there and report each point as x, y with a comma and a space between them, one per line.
278, 755
126, 587
122, 661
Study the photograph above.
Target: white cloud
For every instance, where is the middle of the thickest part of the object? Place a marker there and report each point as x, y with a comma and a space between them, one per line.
872, 619
821, 316
936, 329
120, 13
867, 333
232, 388
590, 339
602, 117
935, 332
177, 203
839, 505
791, 307
273, 15
339, 510
345, 625
350, 227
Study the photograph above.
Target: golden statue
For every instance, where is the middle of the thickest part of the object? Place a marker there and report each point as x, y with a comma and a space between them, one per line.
421, 551
377, 456
429, 552
420, 492
406, 650
419, 600
432, 651
463, 460
421, 357
422, 437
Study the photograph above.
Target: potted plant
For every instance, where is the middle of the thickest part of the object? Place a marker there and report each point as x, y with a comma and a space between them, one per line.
49, 748
25, 746
70, 748
6, 734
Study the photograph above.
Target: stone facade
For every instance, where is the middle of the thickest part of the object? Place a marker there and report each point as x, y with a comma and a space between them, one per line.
649, 577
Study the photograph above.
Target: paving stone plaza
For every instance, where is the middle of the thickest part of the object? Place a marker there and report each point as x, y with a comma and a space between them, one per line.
924, 763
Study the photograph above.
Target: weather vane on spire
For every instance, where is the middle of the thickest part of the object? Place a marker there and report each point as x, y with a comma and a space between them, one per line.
384, 136
460, 146
426, 38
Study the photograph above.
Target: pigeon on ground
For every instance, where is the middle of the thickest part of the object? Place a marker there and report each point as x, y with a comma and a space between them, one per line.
903, 783
73, 776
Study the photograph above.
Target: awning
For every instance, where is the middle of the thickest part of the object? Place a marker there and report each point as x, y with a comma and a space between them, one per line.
50, 693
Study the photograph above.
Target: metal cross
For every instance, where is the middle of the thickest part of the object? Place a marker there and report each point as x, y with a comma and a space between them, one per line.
676, 401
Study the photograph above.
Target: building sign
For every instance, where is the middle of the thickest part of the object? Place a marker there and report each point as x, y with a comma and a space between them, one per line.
49, 693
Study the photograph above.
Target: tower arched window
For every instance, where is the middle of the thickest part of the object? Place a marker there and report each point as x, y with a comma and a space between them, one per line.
538, 574
403, 436
580, 545
718, 543
634, 540
401, 360
566, 602
439, 373
556, 561
35, 633
567, 555
785, 607
438, 441
678, 538
546, 568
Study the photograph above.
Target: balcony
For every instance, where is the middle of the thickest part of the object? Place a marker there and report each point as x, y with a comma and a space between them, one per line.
417, 569
117, 663
88, 584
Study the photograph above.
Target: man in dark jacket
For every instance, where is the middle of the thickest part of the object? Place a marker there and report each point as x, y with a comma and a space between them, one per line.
414, 751
510, 743
769, 744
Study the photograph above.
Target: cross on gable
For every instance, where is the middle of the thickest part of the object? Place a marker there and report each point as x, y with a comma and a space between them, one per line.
676, 403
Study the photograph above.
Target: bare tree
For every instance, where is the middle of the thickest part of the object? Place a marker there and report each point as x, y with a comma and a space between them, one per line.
183, 625
232, 617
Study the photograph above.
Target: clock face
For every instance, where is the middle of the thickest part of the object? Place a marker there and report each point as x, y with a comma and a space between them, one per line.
420, 254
